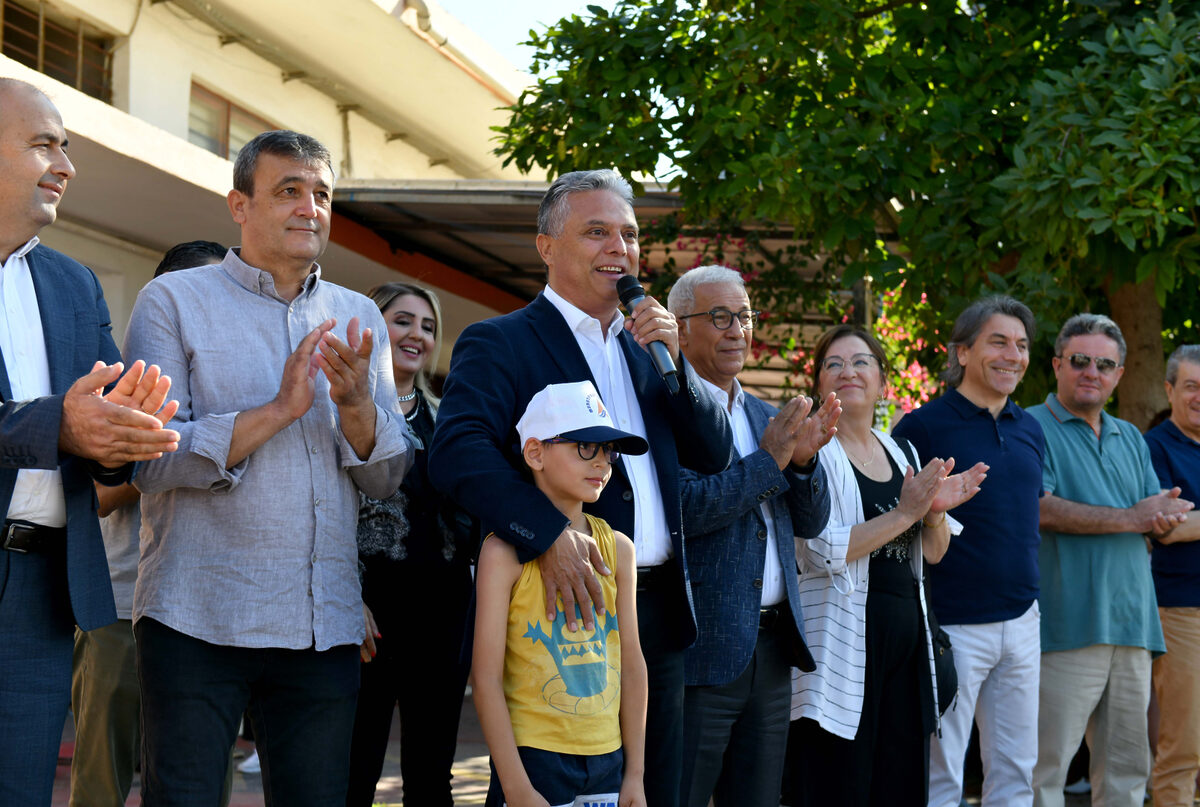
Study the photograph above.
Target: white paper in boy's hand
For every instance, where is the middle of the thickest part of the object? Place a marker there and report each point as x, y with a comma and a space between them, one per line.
600, 800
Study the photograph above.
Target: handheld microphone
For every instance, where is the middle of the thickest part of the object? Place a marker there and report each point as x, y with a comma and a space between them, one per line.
630, 291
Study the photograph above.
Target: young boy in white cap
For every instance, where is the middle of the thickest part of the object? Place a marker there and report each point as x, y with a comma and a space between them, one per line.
563, 712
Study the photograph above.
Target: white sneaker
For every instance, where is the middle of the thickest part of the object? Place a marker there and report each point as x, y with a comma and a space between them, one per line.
1077, 788
250, 764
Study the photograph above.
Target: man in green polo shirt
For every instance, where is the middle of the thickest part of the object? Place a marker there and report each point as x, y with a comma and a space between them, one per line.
1099, 615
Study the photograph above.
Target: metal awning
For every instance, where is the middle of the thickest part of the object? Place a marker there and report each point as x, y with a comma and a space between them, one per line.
483, 228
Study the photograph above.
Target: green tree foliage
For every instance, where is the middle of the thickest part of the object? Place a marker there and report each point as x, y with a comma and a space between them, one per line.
886, 134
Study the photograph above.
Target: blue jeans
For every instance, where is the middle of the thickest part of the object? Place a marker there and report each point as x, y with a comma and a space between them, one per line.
193, 694
36, 639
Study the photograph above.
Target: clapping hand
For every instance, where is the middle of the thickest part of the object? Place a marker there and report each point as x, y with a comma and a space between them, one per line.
956, 489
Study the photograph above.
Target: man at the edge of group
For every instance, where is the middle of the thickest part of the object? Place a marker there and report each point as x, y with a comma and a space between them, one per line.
58, 434
1175, 563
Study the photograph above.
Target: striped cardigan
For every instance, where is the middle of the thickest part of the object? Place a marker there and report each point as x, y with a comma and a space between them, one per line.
833, 598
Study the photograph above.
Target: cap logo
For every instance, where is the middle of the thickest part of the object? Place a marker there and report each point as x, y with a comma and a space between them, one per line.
593, 404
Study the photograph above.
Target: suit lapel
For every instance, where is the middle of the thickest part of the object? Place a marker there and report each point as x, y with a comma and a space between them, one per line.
56, 311
551, 330
757, 416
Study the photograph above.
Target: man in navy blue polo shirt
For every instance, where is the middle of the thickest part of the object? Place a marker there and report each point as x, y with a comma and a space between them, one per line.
1175, 452
985, 590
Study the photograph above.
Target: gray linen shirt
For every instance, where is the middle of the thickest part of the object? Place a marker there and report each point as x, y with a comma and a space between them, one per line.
262, 554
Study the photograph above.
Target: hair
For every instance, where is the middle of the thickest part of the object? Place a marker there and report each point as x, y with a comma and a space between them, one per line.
281, 143
1188, 353
971, 321
821, 350
384, 295
1084, 324
189, 254
552, 212
682, 298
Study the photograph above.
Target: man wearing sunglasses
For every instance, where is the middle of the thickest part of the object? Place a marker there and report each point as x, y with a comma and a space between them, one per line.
1100, 621
739, 525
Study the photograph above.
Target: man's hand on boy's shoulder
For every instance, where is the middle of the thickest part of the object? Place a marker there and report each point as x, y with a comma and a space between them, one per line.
569, 569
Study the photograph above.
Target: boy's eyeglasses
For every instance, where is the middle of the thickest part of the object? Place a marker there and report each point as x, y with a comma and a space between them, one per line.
722, 318
1080, 361
587, 451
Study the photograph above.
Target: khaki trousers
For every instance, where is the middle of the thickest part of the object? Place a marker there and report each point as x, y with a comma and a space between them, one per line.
106, 704
1101, 692
1177, 686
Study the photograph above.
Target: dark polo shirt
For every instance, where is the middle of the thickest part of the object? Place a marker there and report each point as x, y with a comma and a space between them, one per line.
990, 572
1176, 567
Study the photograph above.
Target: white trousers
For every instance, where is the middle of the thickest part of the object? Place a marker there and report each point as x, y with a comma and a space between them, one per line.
1103, 691
998, 668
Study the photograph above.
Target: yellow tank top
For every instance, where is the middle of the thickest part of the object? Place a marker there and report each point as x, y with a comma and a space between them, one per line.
563, 688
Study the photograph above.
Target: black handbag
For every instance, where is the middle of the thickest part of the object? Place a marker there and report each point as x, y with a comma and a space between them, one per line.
943, 659
943, 666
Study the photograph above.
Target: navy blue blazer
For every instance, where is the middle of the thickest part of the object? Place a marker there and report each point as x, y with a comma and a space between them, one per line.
77, 331
475, 458
727, 550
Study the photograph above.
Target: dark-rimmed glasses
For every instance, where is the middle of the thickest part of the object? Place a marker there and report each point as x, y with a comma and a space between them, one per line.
861, 362
1081, 361
722, 318
587, 451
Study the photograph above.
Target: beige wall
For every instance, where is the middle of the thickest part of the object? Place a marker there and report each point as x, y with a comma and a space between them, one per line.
155, 65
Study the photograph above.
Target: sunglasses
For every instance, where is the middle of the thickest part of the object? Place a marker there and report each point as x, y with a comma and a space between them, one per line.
587, 451
1081, 361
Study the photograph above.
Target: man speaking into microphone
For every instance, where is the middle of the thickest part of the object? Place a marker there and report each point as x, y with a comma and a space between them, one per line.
574, 331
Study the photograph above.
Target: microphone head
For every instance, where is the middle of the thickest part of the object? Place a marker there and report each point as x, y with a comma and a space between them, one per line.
629, 290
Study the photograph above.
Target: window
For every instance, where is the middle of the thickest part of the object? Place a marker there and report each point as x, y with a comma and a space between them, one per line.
222, 127
63, 48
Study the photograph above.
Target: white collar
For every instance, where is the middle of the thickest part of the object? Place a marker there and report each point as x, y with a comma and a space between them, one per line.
720, 396
577, 319
24, 250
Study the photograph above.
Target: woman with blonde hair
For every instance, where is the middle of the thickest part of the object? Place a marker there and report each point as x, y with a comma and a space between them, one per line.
414, 555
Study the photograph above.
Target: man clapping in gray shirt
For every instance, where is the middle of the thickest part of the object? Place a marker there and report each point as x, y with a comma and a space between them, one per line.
248, 588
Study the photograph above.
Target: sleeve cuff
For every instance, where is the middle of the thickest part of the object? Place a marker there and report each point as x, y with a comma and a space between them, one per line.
211, 438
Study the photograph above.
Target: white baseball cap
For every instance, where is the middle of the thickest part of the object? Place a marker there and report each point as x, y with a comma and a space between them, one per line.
574, 411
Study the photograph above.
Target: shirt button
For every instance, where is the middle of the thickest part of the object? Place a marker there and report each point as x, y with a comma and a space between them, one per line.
314, 557
317, 502
314, 449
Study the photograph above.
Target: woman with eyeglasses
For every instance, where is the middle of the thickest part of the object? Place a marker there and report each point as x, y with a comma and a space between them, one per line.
864, 716
414, 555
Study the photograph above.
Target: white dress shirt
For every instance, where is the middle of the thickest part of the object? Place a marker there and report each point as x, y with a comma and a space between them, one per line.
774, 590
651, 535
38, 494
